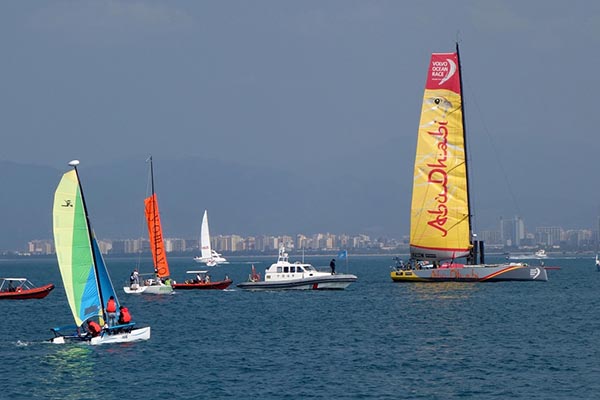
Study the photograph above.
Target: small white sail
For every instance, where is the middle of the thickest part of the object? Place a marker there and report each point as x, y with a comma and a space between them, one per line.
205, 238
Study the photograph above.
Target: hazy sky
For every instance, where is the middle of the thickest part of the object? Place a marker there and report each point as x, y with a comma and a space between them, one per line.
314, 87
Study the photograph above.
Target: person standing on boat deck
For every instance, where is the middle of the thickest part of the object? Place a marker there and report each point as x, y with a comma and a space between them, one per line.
134, 278
332, 266
111, 310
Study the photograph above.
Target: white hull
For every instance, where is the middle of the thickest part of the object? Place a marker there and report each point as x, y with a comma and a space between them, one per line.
154, 289
133, 336
527, 257
211, 262
330, 282
284, 275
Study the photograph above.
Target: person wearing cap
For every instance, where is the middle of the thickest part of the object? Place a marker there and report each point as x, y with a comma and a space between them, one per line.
332, 266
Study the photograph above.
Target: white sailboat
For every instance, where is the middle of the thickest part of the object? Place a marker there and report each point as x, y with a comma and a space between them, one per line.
597, 263
208, 256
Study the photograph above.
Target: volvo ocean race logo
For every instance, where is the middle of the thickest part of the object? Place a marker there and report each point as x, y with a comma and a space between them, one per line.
534, 273
442, 70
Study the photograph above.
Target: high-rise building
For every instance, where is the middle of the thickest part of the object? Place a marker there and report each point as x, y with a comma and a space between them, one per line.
40, 247
549, 236
173, 244
512, 231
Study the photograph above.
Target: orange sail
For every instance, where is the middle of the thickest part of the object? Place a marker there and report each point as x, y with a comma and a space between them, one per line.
161, 267
440, 226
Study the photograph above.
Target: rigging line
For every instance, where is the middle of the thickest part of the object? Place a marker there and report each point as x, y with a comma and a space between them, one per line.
495, 151
143, 223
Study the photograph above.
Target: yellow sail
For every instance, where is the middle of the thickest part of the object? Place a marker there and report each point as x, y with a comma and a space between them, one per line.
439, 227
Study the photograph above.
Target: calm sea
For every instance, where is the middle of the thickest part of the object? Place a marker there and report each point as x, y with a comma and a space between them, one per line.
377, 339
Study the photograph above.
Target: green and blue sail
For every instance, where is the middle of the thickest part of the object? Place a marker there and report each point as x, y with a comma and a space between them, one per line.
84, 274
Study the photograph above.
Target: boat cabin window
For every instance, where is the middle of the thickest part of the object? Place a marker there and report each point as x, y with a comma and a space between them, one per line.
286, 269
292, 269
309, 268
279, 269
299, 269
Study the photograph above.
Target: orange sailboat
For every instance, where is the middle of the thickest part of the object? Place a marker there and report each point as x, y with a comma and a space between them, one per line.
160, 283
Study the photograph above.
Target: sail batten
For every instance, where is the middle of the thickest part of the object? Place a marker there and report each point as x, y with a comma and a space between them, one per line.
440, 226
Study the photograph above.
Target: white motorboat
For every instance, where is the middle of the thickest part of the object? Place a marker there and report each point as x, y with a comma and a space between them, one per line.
300, 276
150, 286
537, 255
541, 254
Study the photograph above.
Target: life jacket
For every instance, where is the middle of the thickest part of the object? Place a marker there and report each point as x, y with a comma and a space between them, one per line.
111, 306
94, 328
125, 317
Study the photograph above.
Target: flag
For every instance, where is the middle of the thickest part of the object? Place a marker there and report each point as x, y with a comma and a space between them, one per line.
342, 254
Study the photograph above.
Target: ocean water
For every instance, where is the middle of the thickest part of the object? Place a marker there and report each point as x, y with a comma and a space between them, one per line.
375, 340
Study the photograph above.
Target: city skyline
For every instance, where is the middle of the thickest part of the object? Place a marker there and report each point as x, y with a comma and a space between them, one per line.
511, 235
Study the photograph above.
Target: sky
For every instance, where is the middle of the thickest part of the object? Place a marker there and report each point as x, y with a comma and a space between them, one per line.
315, 88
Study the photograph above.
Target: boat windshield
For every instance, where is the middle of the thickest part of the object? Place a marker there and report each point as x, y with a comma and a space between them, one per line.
309, 268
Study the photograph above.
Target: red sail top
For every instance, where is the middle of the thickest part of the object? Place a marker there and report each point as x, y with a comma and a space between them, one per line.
443, 72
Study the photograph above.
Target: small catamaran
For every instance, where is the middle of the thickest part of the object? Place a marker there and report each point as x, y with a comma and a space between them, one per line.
440, 227
208, 256
160, 283
84, 273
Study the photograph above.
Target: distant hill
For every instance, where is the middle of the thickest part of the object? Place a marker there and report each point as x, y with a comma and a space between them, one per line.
240, 199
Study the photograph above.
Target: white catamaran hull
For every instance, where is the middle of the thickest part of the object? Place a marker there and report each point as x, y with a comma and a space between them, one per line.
211, 262
133, 336
331, 282
154, 289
